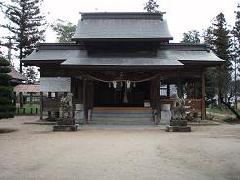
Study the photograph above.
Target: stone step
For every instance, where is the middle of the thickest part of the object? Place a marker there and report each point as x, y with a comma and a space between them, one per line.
142, 109
119, 115
121, 123
122, 118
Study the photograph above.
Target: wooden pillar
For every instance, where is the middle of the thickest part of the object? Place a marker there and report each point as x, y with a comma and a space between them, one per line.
158, 84
203, 107
31, 97
152, 94
85, 101
15, 98
21, 99
155, 94
195, 89
57, 112
180, 89
41, 106
91, 95
49, 112
168, 90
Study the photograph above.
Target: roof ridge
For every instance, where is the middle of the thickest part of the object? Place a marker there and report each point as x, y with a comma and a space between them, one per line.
122, 15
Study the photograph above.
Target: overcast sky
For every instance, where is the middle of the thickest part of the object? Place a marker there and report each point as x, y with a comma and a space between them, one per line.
182, 15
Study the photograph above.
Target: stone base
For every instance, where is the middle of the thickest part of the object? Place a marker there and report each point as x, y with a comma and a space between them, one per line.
165, 117
65, 128
178, 129
178, 123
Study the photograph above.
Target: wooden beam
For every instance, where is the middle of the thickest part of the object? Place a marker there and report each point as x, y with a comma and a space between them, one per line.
203, 106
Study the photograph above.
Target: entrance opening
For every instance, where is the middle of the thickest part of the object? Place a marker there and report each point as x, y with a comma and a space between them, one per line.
108, 96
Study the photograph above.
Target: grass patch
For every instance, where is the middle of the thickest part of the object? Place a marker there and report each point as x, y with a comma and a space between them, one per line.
28, 109
232, 120
219, 110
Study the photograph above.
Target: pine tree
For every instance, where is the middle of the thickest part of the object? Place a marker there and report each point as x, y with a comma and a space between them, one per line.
236, 50
211, 73
152, 6
7, 107
31, 75
218, 38
25, 23
191, 37
65, 30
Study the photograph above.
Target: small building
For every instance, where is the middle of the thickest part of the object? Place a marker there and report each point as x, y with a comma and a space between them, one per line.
118, 62
16, 77
27, 94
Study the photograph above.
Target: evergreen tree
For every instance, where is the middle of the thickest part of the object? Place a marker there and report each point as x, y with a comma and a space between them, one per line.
236, 50
7, 107
211, 73
191, 37
151, 6
65, 30
25, 23
218, 38
236, 32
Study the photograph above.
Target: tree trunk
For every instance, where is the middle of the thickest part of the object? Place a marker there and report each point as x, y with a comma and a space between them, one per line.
20, 56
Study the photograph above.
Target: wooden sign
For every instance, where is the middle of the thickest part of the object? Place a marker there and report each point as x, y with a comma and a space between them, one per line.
55, 84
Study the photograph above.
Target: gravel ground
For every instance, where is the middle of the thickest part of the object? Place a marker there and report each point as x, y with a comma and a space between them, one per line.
35, 152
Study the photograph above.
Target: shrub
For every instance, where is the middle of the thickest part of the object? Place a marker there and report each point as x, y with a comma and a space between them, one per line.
7, 108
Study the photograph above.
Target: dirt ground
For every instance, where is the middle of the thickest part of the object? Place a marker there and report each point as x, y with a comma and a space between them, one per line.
35, 152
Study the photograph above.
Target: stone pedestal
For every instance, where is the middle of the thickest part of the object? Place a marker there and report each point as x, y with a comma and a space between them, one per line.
178, 129
178, 126
165, 114
65, 128
65, 124
79, 114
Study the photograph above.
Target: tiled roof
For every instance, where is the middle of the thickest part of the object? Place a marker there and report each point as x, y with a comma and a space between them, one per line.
17, 75
171, 51
27, 88
122, 26
55, 54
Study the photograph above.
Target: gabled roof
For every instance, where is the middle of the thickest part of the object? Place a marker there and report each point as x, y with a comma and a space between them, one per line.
16, 75
122, 26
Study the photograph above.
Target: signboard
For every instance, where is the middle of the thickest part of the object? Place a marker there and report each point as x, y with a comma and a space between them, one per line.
147, 104
55, 84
